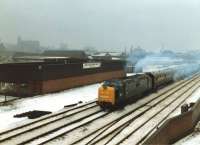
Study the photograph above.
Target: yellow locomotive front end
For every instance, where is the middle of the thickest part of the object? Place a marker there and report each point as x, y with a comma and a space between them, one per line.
106, 96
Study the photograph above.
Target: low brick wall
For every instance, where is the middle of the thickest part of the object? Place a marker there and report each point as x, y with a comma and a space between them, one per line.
42, 87
66, 83
175, 128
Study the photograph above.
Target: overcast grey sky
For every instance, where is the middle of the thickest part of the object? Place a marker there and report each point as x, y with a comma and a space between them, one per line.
103, 23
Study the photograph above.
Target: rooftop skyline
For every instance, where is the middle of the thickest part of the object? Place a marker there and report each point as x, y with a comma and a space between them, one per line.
151, 24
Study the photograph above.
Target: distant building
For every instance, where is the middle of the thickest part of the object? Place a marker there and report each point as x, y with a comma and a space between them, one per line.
109, 55
2, 47
139, 52
66, 53
105, 56
28, 45
168, 53
39, 59
21, 54
90, 50
136, 54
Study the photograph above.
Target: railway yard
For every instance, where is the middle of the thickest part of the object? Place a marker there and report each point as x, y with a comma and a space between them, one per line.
87, 123
99, 72
97, 102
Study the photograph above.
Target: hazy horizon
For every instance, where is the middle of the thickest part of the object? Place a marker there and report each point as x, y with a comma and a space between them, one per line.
173, 24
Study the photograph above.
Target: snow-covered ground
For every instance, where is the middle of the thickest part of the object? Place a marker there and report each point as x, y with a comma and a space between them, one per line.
49, 102
194, 138
56, 101
194, 97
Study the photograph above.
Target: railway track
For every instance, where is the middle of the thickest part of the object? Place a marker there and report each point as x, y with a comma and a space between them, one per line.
122, 131
65, 117
98, 127
137, 134
98, 134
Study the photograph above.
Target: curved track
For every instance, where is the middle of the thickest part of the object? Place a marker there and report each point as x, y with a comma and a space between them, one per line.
88, 124
119, 131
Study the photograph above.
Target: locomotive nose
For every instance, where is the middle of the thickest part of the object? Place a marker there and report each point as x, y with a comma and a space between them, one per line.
106, 95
